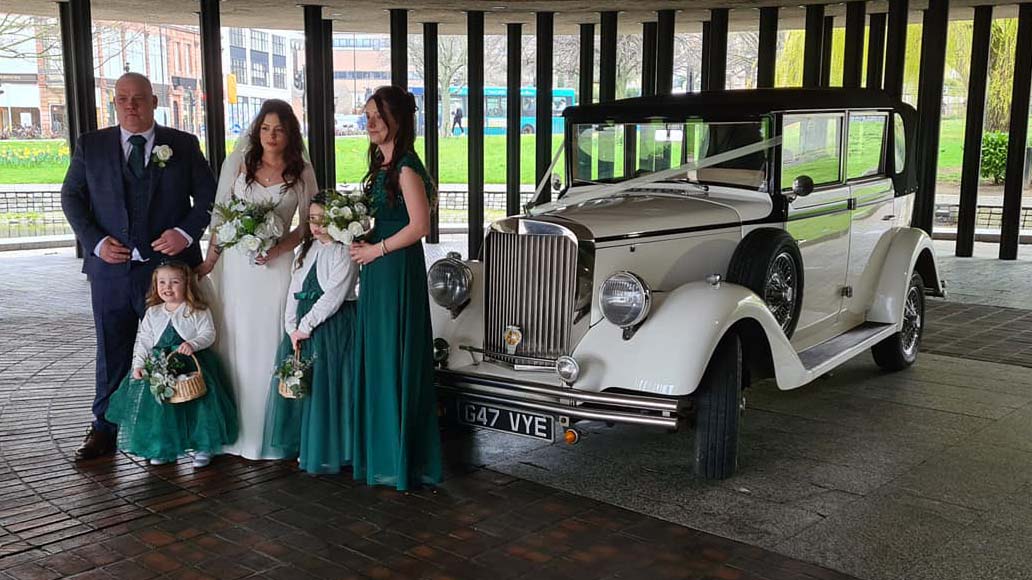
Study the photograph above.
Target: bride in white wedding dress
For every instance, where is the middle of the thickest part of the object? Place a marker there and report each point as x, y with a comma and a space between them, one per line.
268, 165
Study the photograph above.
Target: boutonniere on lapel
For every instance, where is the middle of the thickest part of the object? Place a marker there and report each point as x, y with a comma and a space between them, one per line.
160, 155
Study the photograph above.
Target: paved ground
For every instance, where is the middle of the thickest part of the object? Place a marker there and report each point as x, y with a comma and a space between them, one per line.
921, 474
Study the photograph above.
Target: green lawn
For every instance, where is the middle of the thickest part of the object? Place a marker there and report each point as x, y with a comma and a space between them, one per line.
45, 161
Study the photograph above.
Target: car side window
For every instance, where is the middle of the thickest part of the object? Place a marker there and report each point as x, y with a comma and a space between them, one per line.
900, 141
811, 145
866, 145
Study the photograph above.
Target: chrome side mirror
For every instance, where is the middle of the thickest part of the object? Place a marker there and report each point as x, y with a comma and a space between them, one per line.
557, 182
802, 186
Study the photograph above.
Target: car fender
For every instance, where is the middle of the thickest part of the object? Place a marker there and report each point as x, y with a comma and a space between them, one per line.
911, 250
669, 352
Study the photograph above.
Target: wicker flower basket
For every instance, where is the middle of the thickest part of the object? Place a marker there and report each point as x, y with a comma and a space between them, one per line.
190, 388
285, 390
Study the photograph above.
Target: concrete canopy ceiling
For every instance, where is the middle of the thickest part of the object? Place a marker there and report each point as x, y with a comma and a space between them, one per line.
370, 16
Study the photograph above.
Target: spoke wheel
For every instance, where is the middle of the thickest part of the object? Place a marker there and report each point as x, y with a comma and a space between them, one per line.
781, 290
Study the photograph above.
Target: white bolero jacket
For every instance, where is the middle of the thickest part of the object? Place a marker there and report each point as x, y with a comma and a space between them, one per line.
338, 277
194, 326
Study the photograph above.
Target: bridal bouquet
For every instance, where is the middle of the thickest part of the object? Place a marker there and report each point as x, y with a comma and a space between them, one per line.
348, 215
163, 373
292, 372
254, 227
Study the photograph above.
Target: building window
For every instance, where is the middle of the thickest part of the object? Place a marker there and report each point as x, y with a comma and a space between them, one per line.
236, 37
259, 40
279, 77
260, 74
238, 66
278, 46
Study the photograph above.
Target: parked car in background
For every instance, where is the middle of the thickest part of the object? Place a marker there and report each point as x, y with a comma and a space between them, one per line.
752, 234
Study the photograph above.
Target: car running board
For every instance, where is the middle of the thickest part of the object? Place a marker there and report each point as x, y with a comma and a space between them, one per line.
827, 355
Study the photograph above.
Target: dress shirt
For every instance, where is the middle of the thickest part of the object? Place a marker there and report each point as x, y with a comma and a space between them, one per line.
127, 149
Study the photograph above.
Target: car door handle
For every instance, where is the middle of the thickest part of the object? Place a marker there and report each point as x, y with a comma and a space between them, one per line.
889, 218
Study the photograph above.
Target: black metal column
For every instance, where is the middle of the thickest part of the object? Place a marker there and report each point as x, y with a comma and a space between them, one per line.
545, 23
633, 158
475, 102
648, 58
607, 87
329, 135
829, 32
67, 52
969, 173
896, 46
768, 47
514, 50
314, 91
431, 132
853, 56
82, 53
665, 52
585, 92
813, 45
211, 66
929, 109
707, 38
399, 47
1010, 228
716, 74
876, 51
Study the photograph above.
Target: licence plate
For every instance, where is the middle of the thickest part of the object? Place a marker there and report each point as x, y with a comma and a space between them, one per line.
497, 418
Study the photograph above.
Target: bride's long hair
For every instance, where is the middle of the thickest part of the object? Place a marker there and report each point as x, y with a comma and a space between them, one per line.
293, 153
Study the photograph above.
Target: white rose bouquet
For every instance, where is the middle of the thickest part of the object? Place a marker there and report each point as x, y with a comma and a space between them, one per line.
349, 215
252, 227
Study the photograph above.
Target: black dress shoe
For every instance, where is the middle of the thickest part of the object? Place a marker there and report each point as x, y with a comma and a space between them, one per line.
96, 444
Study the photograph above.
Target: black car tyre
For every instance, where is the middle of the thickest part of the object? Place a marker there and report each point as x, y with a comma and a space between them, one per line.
899, 351
768, 262
718, 411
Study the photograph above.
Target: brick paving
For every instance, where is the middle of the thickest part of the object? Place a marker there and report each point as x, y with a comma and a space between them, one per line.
121, 518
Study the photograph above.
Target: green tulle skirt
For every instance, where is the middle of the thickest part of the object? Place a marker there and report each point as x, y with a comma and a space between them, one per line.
316, 428
165, 431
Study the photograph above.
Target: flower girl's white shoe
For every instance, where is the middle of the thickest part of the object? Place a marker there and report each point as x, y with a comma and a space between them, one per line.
156, 461
201, 459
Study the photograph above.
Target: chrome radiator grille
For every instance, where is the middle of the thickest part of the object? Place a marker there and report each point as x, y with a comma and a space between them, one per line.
531, 283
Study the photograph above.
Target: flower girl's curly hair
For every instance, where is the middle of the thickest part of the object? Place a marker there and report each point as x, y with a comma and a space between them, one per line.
193, 295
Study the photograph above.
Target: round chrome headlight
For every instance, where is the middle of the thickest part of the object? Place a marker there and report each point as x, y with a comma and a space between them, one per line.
625, 299
450, 283
567, 368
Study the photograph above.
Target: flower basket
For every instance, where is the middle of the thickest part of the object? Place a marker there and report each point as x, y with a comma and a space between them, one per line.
189, 386
293, 379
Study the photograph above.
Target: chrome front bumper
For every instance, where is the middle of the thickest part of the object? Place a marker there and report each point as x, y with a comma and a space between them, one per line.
562, 402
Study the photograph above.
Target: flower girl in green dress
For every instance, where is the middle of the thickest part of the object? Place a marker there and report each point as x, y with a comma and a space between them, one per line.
319, 324
177, 321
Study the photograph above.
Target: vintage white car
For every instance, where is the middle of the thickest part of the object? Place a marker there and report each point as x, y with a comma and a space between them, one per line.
696, 243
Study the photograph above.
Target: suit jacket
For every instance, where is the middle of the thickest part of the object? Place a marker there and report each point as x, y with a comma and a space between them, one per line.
93, 196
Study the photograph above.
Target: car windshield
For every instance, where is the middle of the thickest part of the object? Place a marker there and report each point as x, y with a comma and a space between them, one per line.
720, 153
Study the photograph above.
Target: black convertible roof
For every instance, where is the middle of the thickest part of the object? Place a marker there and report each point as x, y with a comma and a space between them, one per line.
737, 104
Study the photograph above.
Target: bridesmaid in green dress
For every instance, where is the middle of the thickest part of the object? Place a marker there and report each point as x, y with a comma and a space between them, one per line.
396, 439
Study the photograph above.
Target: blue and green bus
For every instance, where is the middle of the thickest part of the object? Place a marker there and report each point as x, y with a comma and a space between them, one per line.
494, 108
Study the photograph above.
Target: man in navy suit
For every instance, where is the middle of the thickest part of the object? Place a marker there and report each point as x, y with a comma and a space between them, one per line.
135, 195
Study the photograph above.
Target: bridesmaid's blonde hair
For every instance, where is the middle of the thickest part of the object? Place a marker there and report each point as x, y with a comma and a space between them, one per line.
193, 294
